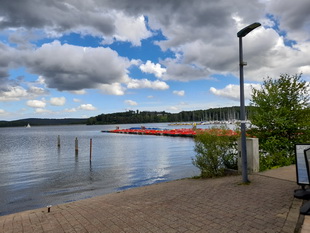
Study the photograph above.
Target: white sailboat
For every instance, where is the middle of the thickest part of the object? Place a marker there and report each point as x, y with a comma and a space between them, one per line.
28, 126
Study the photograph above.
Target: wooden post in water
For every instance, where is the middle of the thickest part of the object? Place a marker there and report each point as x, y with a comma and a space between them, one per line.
58, 141
90, 148
76, 145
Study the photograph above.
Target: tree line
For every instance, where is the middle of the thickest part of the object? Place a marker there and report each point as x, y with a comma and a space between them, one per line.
38, 121
128, 117
133, 117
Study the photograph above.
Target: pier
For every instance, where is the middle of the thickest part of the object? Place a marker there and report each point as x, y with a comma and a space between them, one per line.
165, 132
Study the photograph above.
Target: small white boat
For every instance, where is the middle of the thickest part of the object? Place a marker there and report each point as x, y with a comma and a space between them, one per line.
28, 126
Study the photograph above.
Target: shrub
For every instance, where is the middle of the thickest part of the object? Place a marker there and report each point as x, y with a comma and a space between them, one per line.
281, 118
216, 150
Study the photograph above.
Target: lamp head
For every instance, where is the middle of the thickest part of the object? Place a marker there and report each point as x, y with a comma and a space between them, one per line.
243, 32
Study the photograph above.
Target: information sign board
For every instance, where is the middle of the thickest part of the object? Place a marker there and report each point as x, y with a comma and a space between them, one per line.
301, 168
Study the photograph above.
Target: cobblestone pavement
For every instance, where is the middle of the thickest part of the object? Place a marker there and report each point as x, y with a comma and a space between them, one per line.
188, 205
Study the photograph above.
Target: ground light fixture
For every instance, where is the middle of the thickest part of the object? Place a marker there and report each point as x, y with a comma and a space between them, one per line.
242, 33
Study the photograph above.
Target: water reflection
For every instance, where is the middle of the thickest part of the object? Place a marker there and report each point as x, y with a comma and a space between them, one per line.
35, 172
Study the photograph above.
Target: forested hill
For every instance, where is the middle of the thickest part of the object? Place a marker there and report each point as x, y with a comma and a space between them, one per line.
213, 114
38, 121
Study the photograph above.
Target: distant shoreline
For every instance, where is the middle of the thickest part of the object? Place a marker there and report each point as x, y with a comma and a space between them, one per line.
43, 122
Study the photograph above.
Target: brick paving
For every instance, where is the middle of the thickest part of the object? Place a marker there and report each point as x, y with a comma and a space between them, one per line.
188, 205
306, 225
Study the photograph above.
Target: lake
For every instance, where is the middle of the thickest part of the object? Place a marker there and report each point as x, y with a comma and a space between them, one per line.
35, 172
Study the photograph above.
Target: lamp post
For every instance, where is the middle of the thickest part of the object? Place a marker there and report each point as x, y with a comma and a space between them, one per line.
242, 33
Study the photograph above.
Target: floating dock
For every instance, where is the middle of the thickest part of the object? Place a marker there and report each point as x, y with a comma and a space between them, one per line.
165, 132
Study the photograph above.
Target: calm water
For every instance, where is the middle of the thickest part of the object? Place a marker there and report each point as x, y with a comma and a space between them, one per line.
35, 173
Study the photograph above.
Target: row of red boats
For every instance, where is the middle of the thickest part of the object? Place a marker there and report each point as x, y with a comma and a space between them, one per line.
170, 132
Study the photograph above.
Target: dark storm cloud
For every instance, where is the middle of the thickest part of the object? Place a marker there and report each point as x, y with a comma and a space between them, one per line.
293, 17
7, 60
201, 33
3, 74
183, 21
68, 67
54, 15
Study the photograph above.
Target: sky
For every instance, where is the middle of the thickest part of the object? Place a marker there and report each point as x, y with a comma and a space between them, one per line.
82, 58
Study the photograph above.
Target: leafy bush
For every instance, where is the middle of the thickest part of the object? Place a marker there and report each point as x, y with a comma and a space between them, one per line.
281, 118
216, 150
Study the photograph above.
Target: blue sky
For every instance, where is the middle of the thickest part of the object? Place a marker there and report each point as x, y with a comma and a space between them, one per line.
73, 59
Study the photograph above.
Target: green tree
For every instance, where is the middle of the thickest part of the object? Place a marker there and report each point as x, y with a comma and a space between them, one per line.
281, 115
216, 149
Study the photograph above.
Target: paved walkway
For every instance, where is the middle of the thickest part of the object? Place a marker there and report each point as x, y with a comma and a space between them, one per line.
188, 205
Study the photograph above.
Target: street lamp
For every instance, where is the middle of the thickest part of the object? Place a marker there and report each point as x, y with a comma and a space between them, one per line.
242, 33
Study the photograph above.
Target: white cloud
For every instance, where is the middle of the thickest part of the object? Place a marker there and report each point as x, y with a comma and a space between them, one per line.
233, 91
2, 112
144, 83
112, 89
43, 110
179, 93
135, 62
13, 93
86, 69
76, 100
152, 68
205, 48
132, 29
206, 42
37, 91
87, 18
88, 107
294, 18
197, 47
58, 101
78, 92
130, 102
41, 80
174, 109
70, 110
36, 103
179, 71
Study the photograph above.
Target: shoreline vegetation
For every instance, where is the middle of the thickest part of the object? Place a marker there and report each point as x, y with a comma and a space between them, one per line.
220, 115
